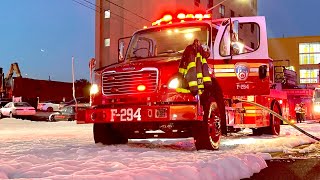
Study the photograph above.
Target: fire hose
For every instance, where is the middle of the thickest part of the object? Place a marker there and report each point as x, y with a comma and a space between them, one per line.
280, 117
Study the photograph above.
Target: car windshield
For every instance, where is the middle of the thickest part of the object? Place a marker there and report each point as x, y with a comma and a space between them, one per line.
22, 104
166, 42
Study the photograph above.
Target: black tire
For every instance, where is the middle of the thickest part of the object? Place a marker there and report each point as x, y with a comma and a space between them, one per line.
106, 134
0, 115
51, 118
49, 109
257, 131
274, 127
218, 96
207, 134
70, 119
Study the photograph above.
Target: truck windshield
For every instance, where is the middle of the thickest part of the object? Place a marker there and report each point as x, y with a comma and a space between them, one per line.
166, 42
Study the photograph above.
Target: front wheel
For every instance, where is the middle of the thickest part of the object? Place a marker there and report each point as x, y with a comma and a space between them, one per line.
207, 134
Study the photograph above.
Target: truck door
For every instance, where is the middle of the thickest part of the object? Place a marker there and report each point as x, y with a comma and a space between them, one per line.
241, 60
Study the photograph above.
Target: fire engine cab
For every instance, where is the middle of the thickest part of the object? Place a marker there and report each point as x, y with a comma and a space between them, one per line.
137, 98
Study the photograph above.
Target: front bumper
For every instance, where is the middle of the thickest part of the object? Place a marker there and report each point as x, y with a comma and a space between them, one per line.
157, 113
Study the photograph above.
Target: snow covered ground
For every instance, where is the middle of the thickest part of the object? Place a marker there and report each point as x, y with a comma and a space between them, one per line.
65, 150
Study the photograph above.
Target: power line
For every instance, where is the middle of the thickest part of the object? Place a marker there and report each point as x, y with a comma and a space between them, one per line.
119, 7
85, 5
128, 10
110, 13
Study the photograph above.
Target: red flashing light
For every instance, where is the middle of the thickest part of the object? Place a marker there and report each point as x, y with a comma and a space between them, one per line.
207, 16
190, 16
181, 16
199, 16
167, 18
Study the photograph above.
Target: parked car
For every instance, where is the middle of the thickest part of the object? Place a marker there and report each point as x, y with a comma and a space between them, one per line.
67, 113
17, 109
49, 106
3, 103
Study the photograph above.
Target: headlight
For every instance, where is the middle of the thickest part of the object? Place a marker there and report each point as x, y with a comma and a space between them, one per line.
174, 83
94, 89
316, 108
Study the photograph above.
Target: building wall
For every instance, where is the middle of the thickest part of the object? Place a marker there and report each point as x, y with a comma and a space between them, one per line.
288, 49
123, 23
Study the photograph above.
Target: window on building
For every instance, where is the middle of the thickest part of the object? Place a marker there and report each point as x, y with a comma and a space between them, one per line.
309, 53
197, 3
232, 13
222, 10
309, 76
107, 14
107, 42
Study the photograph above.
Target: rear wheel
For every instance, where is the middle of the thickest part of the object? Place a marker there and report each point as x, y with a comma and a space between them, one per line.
274, 128
207, 134
106, 134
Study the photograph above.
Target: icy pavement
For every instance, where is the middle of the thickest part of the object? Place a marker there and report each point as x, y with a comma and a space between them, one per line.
65, 150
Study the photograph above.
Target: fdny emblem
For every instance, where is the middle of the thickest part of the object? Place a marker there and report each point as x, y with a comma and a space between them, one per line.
242, 71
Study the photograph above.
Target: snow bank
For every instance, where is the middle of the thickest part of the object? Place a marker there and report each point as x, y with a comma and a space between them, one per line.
65, 150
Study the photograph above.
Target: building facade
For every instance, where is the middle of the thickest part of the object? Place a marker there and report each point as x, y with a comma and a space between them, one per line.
121, 18
301, 54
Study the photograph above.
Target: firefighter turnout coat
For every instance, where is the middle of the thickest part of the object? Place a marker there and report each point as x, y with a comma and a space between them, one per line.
194, 71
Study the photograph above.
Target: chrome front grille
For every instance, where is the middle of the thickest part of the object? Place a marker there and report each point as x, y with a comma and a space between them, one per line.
127, 82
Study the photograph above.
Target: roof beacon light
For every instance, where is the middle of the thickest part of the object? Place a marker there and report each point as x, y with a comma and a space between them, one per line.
191, 16
181, 16
199, 16
207, 16
167, 18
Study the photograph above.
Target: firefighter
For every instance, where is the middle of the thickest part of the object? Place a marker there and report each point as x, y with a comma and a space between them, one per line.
297, 109
302, 112
195, 79
194, 70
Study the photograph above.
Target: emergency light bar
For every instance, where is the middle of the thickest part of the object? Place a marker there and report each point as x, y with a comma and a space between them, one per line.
181, 17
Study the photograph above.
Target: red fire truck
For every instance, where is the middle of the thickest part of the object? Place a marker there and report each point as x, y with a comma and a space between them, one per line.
137, 98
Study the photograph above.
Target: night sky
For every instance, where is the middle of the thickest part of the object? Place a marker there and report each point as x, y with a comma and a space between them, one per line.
43, 35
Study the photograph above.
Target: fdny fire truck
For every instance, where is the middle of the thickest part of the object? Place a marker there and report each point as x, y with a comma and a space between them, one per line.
137, 97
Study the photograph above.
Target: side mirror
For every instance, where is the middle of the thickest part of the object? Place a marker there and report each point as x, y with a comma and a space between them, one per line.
263, 71
121, 51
